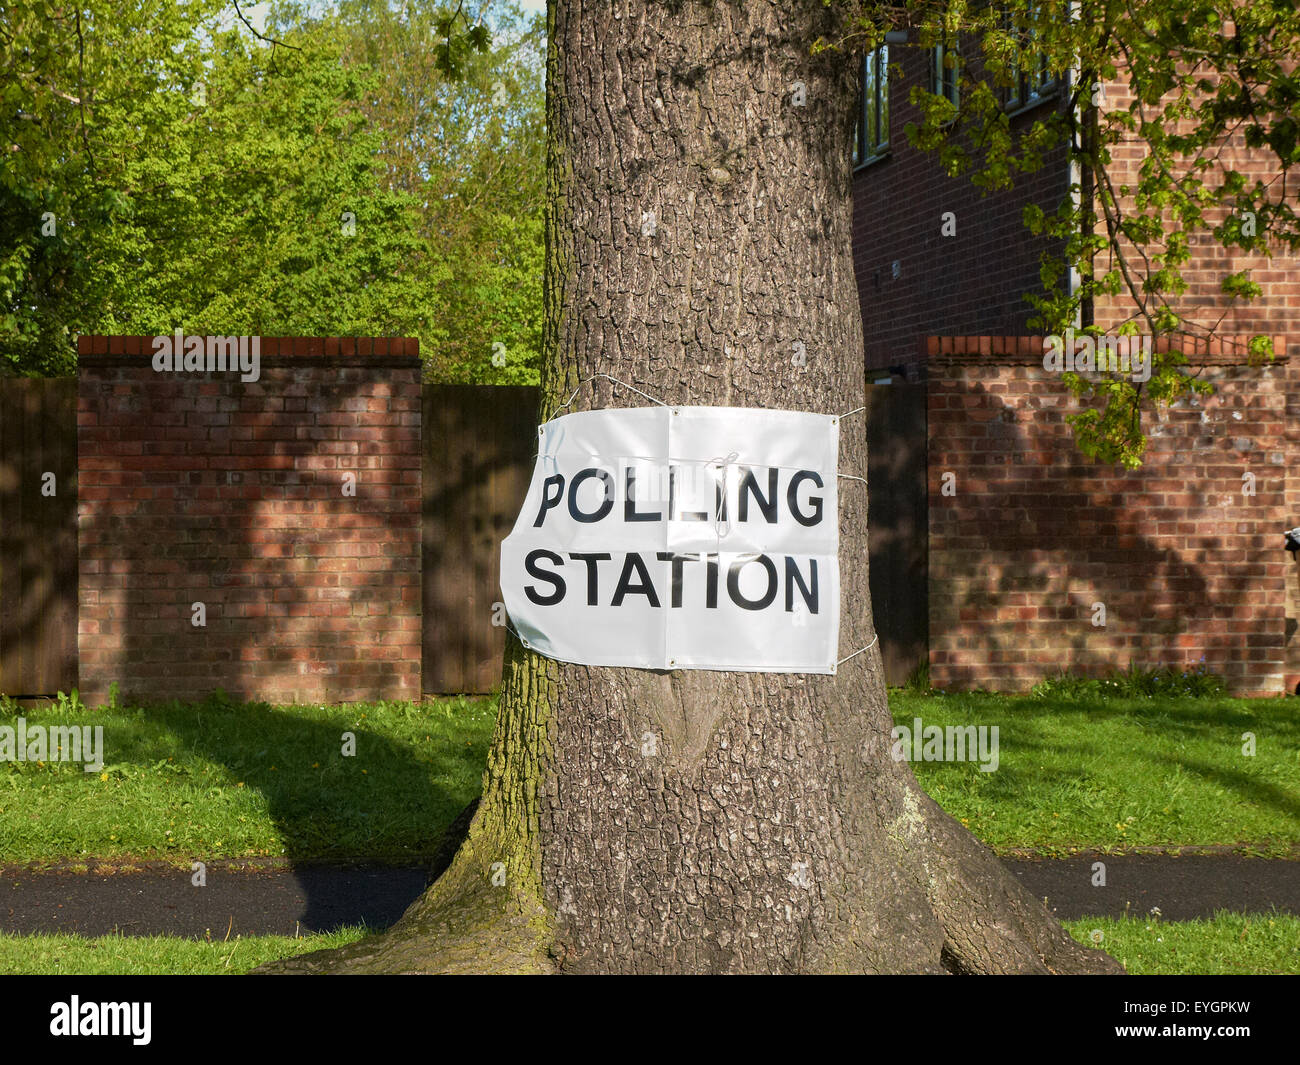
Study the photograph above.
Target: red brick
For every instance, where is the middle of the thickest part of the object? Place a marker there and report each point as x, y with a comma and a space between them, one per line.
164, 524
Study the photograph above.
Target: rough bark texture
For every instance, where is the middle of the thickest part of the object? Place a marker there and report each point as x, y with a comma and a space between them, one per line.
771, 831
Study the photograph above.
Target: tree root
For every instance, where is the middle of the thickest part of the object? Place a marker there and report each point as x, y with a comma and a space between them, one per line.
464, 923
469, 936
991, 923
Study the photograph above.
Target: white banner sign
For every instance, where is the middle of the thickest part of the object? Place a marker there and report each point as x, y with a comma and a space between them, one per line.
680, 538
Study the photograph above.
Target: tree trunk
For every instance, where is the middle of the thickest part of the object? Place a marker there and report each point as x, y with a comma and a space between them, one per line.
770, 830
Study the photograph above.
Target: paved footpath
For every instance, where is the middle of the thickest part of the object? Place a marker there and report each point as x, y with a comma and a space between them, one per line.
319, 898
1181, 888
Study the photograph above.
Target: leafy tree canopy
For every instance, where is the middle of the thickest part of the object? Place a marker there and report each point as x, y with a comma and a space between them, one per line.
1205, 77
168, 165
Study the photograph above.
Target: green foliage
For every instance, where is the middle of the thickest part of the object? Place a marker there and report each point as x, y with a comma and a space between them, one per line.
918, 681
1198, 71
165, 168
1134, 683
469, 149
1111, 430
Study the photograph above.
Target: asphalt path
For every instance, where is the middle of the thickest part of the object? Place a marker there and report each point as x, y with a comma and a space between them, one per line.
288, 901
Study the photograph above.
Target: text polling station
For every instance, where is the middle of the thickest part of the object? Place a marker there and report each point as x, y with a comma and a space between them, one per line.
680, 538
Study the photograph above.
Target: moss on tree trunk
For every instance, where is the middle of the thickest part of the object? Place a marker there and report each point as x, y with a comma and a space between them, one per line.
699, 247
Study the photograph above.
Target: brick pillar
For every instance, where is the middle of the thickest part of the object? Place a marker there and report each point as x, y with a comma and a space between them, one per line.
1034, 541
287, 506
1292, 473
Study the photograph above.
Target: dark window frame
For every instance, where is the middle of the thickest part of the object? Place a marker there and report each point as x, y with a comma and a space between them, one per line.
1034, 86
944, 78
872, 131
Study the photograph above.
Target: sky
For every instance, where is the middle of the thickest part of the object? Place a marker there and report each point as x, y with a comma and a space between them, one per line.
256, 13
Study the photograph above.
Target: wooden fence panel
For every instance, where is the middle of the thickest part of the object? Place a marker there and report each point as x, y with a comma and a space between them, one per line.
898, 517
38, 536
479, 445
478, 449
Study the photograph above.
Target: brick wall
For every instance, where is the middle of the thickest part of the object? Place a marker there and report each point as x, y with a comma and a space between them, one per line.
1033, 534
1292, 519
973, 282
200, 487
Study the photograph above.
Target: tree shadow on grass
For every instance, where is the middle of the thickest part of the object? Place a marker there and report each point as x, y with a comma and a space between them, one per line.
390, 804
1025, 733
234, 494
1245, 785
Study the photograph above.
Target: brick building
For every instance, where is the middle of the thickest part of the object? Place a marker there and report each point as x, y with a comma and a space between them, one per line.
913, 279
1031, 557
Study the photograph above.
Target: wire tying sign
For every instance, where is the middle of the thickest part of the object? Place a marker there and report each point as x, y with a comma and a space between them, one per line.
680, 538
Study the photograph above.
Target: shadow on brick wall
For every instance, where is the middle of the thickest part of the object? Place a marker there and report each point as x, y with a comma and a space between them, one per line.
1037, 536
204, 489
262, 538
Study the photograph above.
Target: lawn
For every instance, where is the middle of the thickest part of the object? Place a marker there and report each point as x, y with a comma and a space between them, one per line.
1230, 943
226, 780
53, 955
1116, 774
229, 780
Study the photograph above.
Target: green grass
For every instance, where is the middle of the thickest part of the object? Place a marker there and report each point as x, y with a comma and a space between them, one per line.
1230, 943
1116, 774
225, 780
53, 955
222, 780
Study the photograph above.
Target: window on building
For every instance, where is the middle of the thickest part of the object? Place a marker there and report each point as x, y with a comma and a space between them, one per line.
943, 80
1033, 81
871, 138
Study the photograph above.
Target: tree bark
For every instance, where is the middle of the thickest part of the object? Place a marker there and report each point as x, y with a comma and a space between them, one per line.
770, 830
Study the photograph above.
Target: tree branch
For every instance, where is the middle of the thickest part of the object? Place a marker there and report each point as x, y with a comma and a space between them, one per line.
272, 41
81, 89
